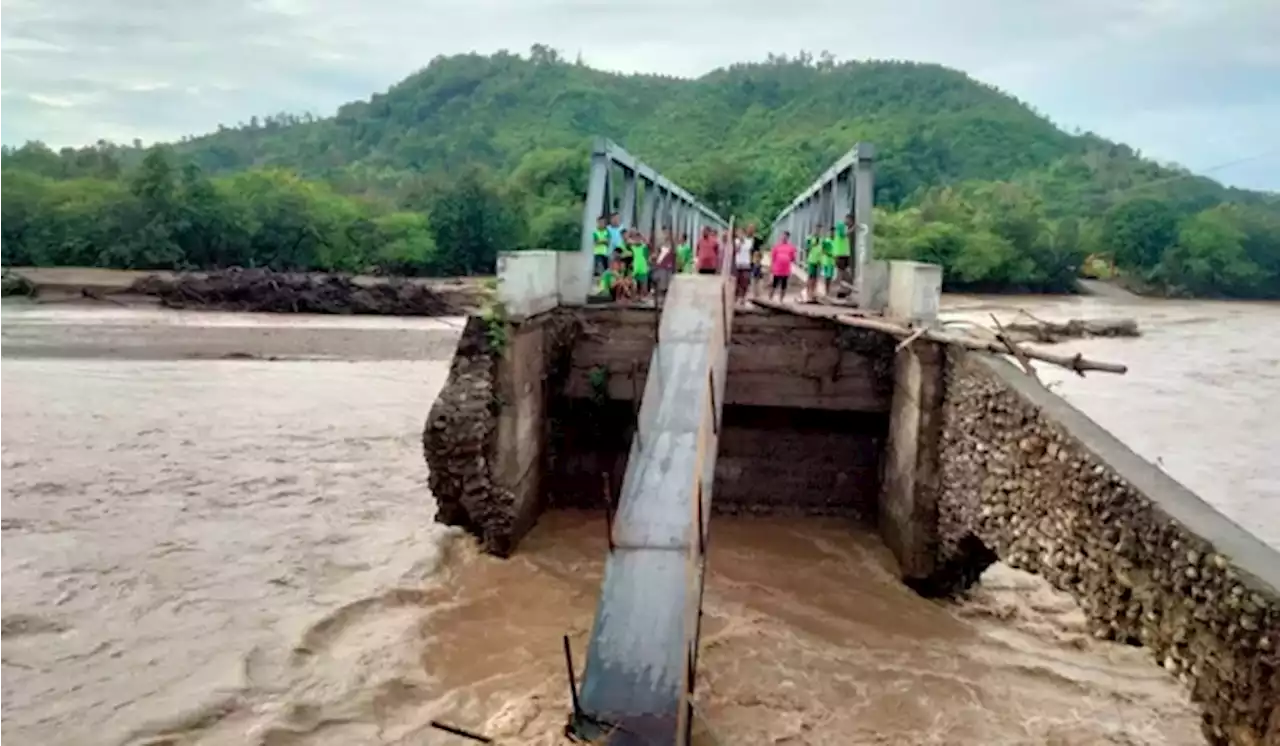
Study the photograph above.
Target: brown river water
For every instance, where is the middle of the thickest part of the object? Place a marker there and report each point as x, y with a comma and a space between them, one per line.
216, 530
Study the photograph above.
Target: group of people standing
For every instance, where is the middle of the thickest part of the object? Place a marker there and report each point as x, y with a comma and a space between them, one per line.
828, 254
628, 265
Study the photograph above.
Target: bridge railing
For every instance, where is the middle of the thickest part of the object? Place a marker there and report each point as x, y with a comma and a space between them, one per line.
643, 199
847, 187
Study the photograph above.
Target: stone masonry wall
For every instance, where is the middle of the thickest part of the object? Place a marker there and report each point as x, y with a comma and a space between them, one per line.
486, 435
1028, 476
458, 440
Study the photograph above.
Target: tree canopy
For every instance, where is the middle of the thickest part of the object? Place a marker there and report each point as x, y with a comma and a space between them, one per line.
474, 154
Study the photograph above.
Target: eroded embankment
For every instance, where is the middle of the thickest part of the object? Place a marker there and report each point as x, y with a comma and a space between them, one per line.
286, 292
485, 439
1052, 493
262, 290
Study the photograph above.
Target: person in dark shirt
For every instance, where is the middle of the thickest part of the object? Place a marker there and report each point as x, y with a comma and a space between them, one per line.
708, 259
757, 260
664, 264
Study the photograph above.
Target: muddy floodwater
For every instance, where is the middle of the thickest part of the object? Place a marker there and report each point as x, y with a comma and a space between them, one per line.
216, 530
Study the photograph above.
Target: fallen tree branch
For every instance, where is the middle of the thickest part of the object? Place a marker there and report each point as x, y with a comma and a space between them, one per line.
98, 295
904, 344
1076, 363
1014, 349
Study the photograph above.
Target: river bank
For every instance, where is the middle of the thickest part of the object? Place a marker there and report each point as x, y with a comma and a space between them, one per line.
259, 290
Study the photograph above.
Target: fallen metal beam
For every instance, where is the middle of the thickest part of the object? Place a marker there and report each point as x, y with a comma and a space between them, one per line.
642, 657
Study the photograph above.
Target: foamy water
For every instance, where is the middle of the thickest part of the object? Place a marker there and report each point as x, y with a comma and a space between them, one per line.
216, 551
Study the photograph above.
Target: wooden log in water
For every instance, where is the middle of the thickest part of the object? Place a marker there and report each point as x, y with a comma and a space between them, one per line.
1050, 332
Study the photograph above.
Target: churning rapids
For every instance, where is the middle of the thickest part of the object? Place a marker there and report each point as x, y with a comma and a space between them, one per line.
217, 531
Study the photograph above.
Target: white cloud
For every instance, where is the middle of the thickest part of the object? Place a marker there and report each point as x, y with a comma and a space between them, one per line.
1184, 80
53, 102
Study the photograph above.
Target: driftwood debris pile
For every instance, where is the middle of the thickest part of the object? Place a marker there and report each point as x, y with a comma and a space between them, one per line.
1052, 332
284, 292
996, 342
12, 283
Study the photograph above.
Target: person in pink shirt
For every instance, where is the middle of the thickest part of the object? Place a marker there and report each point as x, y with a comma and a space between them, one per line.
782, 256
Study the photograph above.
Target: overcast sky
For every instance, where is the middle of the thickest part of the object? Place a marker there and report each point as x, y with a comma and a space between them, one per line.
1192, 81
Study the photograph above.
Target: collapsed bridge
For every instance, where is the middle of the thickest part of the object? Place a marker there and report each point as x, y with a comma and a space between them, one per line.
861, 409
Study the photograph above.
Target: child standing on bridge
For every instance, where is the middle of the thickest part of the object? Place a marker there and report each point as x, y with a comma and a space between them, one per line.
684, 255
842, 250
639, 251
600, 242
813, 263
664, 265
828, 263
741, 266
616, 232
625, 252
757, 260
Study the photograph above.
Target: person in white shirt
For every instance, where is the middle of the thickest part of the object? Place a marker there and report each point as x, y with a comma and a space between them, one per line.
742, 246
664, 265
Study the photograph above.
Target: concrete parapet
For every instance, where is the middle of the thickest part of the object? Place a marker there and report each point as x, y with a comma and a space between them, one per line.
528, 282
1031, 478
915, 292
874, 289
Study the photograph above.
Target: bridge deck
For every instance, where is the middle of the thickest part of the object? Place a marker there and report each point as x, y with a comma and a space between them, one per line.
643, 652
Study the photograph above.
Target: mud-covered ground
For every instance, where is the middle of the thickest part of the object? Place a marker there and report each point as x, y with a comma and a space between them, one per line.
263, 290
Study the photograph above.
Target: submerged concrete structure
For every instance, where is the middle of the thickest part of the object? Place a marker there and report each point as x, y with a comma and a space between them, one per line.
957, 458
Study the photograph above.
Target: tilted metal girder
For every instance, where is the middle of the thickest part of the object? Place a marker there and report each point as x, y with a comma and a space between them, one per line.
642, 659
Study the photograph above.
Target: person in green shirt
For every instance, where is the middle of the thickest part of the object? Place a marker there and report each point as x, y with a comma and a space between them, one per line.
639, 250
600, 242
842, 250
828, 263
813, 257
613, 283
684, 255
608, 282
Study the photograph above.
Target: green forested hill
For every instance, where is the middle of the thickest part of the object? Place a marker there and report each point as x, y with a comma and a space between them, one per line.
967, 175
778, 121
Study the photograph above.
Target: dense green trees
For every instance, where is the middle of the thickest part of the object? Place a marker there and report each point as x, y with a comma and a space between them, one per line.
159, 216
475, 154
987, 236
